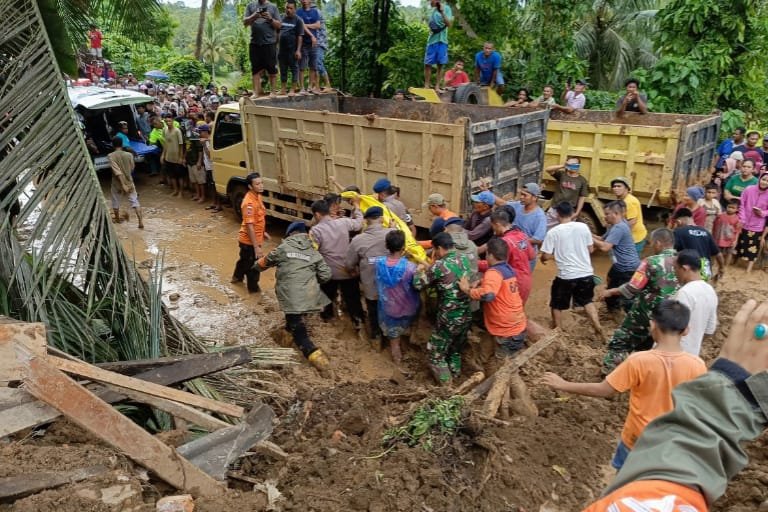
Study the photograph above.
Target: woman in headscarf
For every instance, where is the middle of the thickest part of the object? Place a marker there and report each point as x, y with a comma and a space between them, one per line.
753, 211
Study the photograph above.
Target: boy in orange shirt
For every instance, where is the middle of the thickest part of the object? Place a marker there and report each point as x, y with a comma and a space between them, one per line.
649, 376
503, 311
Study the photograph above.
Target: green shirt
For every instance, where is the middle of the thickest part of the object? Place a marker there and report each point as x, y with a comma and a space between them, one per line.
736, 185
156, 137
437, 18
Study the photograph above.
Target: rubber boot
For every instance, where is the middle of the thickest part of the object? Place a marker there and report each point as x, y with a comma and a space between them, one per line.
141, 219
319, 361
116, 216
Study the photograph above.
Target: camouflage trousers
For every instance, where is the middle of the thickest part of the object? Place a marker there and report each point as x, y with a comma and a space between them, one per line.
632, 335
447, 342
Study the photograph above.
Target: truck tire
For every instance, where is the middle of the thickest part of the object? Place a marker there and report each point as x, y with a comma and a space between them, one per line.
236, 194
468, 93
588, 218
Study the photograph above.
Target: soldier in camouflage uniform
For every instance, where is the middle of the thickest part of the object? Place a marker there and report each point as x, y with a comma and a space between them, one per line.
453, 315
653, 281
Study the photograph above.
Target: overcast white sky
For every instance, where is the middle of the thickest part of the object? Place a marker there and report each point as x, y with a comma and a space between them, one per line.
196, 3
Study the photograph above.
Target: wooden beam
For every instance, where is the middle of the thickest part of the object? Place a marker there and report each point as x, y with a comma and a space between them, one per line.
84, 408
14, 487
91, 372
11, 397
176, 409
11, 332
32, 414
231, 357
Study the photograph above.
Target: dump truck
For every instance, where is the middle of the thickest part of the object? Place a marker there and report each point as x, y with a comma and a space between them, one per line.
299, 143
660, 154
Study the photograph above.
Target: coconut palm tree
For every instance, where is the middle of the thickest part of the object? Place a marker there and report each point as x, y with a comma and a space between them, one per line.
217, 7
216, 46
614, 38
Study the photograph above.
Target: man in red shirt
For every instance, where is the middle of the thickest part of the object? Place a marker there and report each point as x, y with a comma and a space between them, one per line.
456, 76
502, 306
252, 234
520, 251
95, 37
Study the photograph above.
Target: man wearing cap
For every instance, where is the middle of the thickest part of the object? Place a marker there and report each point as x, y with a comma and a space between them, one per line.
361, 260
574, 99
300, 272
384, 192
252, 233
437, 207
700, 298
529, 216
571, 187
633, 212
479, 224
618, 241
331, 237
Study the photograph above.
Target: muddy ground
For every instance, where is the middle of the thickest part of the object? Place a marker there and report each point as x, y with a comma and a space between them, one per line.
332, 428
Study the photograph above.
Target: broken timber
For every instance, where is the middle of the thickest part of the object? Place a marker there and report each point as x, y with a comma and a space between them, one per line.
207, 363
85, 409
14, 487
497, 386
34, 413
91, 372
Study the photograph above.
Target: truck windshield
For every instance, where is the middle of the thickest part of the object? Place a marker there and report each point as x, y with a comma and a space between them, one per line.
227, 130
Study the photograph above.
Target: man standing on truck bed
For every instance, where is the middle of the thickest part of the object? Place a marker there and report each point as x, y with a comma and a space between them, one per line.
633, 100
440, 19
488, 67
571, 187
264, 19
252, 234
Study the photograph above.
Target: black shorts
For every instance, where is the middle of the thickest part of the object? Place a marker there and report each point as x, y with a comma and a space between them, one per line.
581, 290
176, 171
209, 178
263, 58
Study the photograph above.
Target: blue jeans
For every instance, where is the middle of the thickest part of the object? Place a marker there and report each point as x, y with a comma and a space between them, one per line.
622, 452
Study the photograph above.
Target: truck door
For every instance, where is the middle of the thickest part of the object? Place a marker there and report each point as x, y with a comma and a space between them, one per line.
303, 165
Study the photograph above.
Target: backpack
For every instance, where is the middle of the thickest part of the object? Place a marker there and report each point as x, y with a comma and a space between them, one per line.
434, 26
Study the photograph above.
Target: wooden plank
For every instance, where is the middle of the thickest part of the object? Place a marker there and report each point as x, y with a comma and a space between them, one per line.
84, 408
30, 415
14, 487
11, 397
91, 372
182, 411
237, 356
32, 335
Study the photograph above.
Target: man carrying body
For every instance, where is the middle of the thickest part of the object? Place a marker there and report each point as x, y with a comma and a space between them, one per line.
520, 251
331, 237
488, 67
252, 234
300, 271
384, 192
699, 297
653, 281
571, 187
479, 223
440, 18
570, 244
618, 240
633, 212
574, 99
122, 164
264, 19
437, 207
361, 260
454, 317
633, 100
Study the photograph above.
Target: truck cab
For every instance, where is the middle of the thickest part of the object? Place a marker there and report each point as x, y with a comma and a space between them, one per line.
228, 155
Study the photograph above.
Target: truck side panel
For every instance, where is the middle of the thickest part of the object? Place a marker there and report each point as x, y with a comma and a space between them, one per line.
698, 142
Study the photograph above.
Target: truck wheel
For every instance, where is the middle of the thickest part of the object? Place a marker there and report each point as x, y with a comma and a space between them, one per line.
591, 221
467, 93
236, 194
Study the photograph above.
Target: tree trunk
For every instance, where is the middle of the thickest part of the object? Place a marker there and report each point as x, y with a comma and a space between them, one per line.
200, 28
343, 45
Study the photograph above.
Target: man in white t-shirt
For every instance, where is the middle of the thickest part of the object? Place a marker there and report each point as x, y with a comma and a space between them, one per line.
574, 99
698, 296
570, 244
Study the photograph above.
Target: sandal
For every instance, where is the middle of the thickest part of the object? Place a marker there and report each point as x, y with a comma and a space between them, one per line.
217, 209
211, 207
